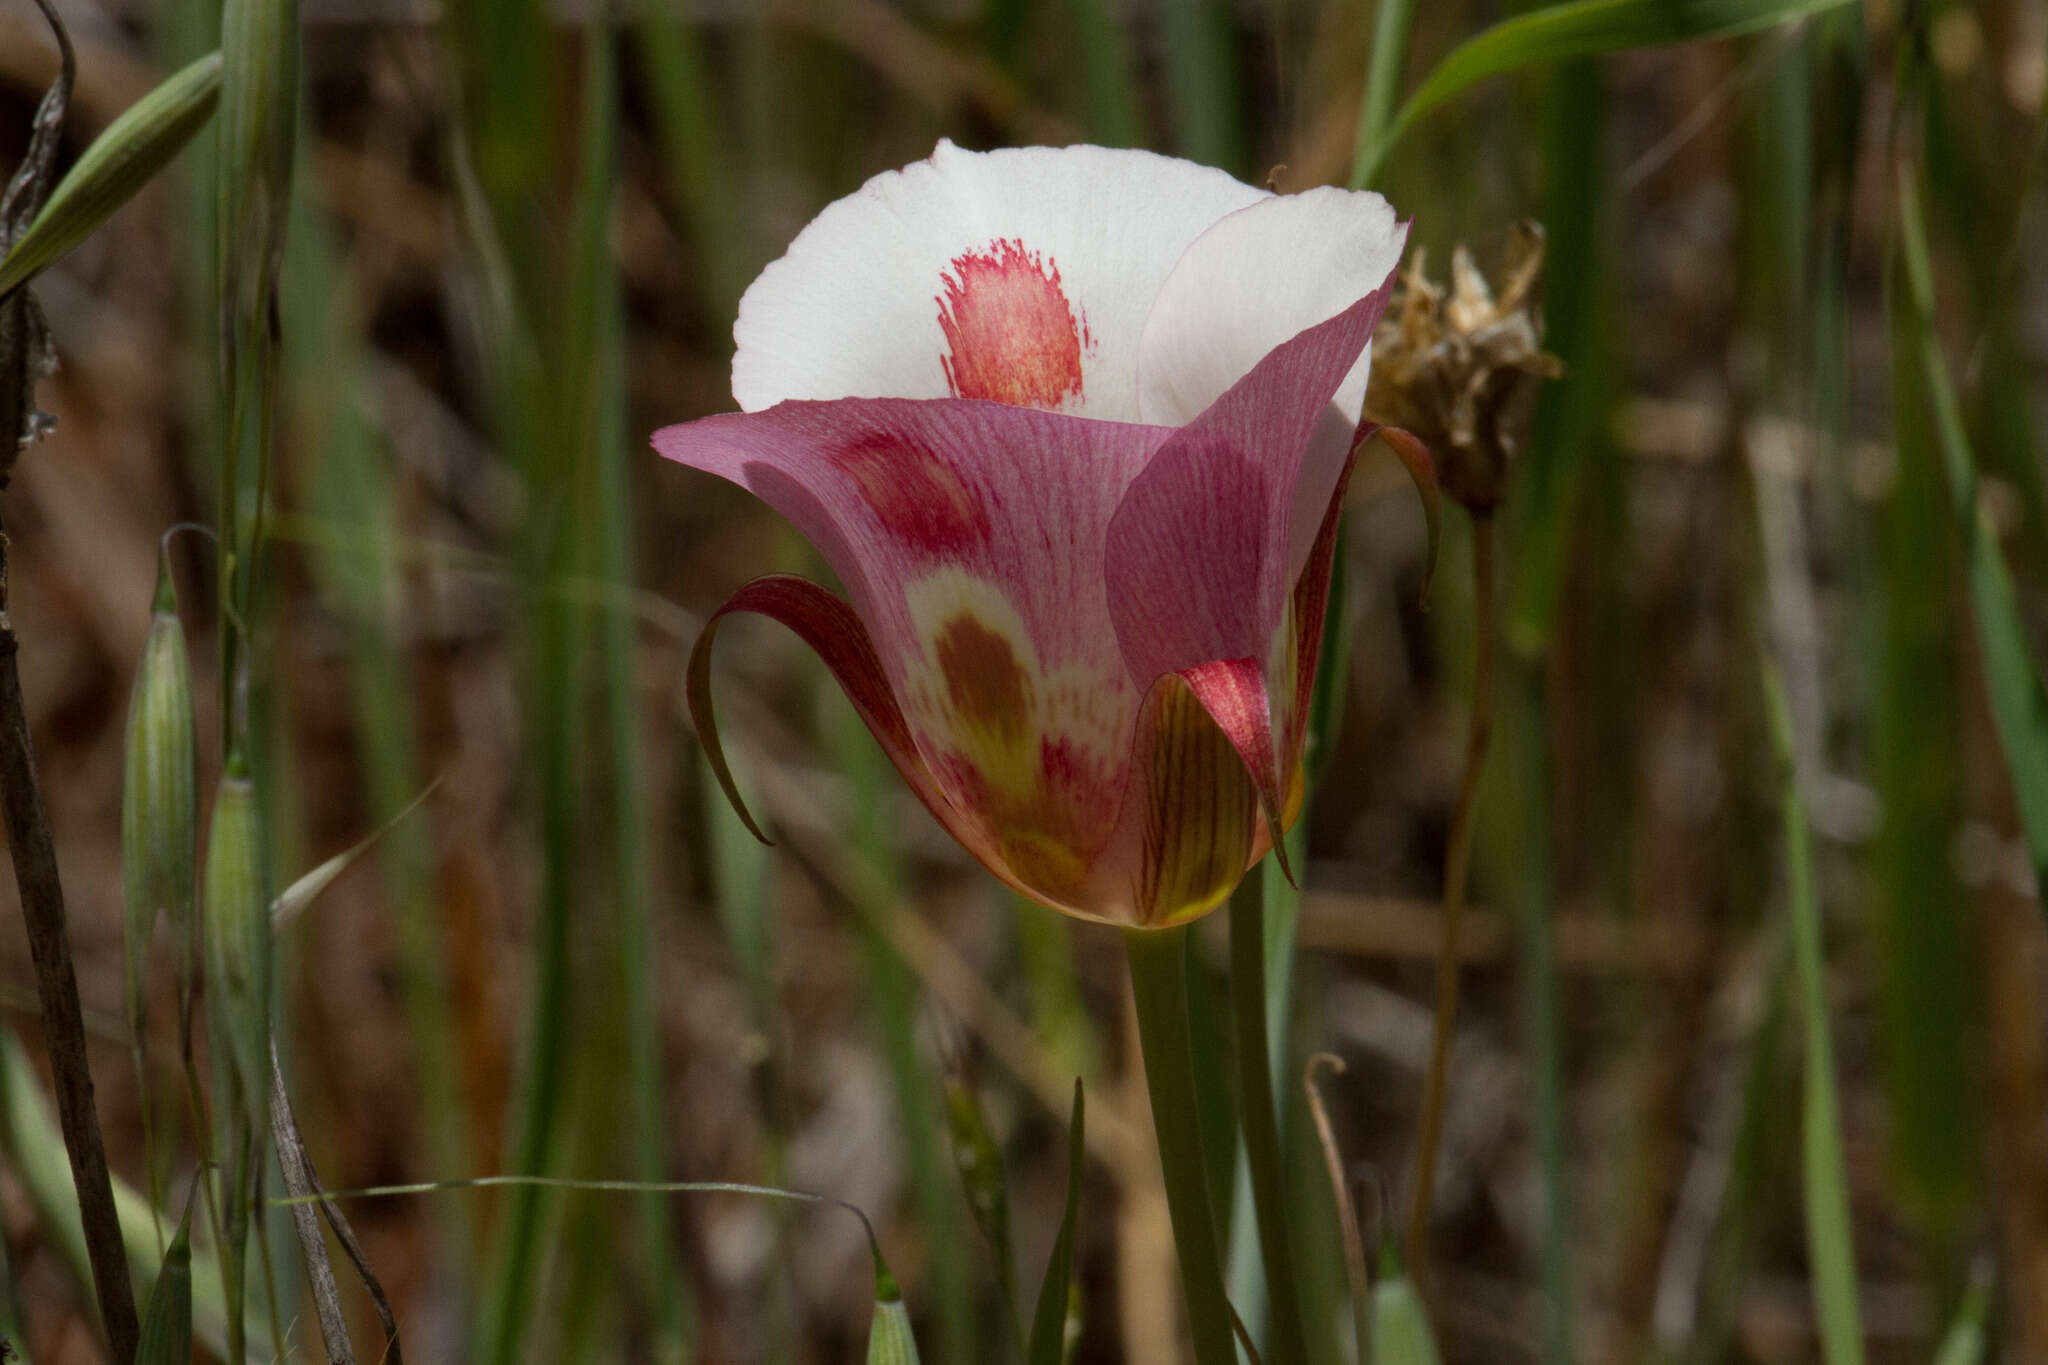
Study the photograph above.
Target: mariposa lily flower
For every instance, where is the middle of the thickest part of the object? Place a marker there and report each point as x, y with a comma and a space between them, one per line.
1072, 426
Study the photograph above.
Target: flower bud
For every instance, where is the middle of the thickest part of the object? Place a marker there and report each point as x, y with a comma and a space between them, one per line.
235, 931
159, 800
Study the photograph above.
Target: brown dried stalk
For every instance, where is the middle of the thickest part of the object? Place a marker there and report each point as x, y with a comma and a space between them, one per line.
24, 359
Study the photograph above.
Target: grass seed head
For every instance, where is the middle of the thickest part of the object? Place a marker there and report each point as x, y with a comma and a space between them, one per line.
235, 932
159, 798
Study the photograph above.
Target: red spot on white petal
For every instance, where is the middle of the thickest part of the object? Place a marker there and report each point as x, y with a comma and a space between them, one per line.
919, 498
1010, 332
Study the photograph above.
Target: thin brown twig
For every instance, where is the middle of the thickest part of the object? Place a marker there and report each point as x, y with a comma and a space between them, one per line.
1457, 864
22, 352
1340, 1190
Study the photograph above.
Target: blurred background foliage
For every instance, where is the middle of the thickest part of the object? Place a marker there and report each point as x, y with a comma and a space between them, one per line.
1794, 275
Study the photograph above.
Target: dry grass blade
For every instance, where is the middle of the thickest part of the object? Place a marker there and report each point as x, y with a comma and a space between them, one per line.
299, 1179
1340, 1193
25, 358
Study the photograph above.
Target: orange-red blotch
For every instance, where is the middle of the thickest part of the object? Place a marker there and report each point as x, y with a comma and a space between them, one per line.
1010, 332
917, 497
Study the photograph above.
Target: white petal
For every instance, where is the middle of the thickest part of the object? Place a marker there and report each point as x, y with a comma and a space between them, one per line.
1024, 274
1258, 278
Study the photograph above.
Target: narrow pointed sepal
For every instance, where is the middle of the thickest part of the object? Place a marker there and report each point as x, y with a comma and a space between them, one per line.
1415, 457
1233, 692
829, 626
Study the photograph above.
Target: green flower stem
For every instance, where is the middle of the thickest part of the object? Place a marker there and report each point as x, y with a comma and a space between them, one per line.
1158, 960
1284, 1342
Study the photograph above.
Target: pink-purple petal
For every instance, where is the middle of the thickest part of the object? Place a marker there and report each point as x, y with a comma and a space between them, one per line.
1203, 551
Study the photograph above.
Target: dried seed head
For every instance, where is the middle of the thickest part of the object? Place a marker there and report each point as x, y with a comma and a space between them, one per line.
235, 932
1459, 366
159, 798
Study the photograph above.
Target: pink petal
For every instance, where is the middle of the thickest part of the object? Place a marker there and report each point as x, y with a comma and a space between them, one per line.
1261, 276
1201, 559
1203, 564
1310, 604
829, 626
1023, 275
971, 538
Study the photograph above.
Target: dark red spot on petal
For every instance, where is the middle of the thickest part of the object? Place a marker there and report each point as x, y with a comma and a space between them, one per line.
1010, 332
918, 498
1064, 764
987, 687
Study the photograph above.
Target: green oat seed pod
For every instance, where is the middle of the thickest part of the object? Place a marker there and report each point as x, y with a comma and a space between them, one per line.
235, 932
889, 1338
1401, 1334
159, 797
120, 161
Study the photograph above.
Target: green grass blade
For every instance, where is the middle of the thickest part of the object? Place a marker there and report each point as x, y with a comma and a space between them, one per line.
1391, 20
33, 1150
1159, 975
1280, 915
1926, 945
1260, 1116
895, 1003
167, 1322
1114, 109
120, 161
1201, 82
357, 569
509, 99
1752, 1167
1059, 1016
1049, 1319
661, 1281
2019, 706
1215, 1112
258, 146
700, 173
1522, 856
1830, 1243
1585, 28
1568, 435
1401, 1334
1964, 1343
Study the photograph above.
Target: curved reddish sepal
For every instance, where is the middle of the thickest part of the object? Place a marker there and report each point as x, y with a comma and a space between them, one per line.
1414, 454
832, 630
